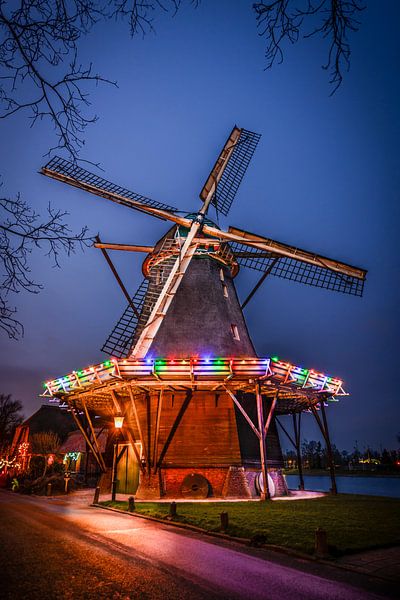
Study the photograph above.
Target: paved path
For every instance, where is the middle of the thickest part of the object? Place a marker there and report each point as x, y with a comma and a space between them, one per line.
383, 563
59, 548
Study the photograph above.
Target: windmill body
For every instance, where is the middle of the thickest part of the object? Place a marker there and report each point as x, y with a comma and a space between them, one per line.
213, 445
193, 433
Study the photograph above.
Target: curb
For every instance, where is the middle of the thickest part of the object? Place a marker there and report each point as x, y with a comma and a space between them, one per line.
247, 542
217, 534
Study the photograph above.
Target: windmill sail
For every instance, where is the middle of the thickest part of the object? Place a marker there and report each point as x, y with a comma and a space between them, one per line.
69, 172
296, 270
234, 158
120, 340
258, 252
130, 326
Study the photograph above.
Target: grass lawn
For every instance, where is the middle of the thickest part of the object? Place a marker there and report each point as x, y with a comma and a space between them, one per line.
352, 522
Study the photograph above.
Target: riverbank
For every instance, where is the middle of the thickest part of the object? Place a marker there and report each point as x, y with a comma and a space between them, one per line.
353, 523
367, 486
340, 473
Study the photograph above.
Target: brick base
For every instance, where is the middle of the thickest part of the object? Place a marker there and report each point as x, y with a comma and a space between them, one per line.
224, 482
150, 487
279, 482
236, 484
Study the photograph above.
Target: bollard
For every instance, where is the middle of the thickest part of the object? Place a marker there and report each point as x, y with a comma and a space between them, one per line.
131, 504
321, 543
172, 509
48, 489
224, 521
96, 495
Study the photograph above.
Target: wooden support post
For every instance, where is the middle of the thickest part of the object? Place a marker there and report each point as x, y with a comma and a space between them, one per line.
135, 412
117, 277
93, 434
291, 440
264, 495
259, 282
148, 422
174, 427
297, 437
323, 425
244, 413
329, 449
270, 414
157, 430
132, 442
114, 474
89, 443
96, 495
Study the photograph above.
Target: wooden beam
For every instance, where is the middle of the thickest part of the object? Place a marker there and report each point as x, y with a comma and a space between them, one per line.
293, 252
260, 282
83, 432
329, 449
325, 433
93, 434
286, 433
220, 164
244, 413
297, 435
158, 212
116, 403
133, 444
135, 412
157, 430
270, 414
264, 495
118, 278
125, 247
174, 427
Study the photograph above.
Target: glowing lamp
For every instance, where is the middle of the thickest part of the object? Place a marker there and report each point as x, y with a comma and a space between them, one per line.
118, 422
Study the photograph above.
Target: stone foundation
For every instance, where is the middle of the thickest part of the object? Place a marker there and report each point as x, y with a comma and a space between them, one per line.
224, 482
150, 487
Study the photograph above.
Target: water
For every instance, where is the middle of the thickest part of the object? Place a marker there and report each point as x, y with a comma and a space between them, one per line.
370, 486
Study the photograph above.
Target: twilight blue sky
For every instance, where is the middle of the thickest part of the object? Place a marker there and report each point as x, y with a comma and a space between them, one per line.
325, 177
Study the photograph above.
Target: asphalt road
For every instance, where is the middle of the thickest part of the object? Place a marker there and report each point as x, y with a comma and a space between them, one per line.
52, 549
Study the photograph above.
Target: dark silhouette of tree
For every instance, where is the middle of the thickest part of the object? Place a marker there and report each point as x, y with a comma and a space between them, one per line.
21, 231
10, 417
282, 21
41, 75
44, 444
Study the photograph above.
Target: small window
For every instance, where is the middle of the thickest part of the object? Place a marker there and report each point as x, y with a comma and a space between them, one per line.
235, 332
225, 290
221, 275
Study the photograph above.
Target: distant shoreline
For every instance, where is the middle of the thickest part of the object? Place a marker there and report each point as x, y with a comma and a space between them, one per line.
323, 473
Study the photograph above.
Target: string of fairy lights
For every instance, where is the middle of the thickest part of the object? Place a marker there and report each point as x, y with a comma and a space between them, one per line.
196, 368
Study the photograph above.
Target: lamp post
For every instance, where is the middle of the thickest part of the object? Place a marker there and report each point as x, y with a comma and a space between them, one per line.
118, 422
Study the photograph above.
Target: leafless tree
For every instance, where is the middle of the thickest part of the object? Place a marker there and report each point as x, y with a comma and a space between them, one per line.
10, 417
41, 75
140, 13
21, 231
39, 68
44, 444
283, 21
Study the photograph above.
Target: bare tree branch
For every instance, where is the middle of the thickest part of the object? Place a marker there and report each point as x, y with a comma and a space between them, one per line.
40, 74
282, 20
39, 69
140, 13
21, 231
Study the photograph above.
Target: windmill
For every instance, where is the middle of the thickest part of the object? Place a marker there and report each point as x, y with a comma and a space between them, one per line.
187, 309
